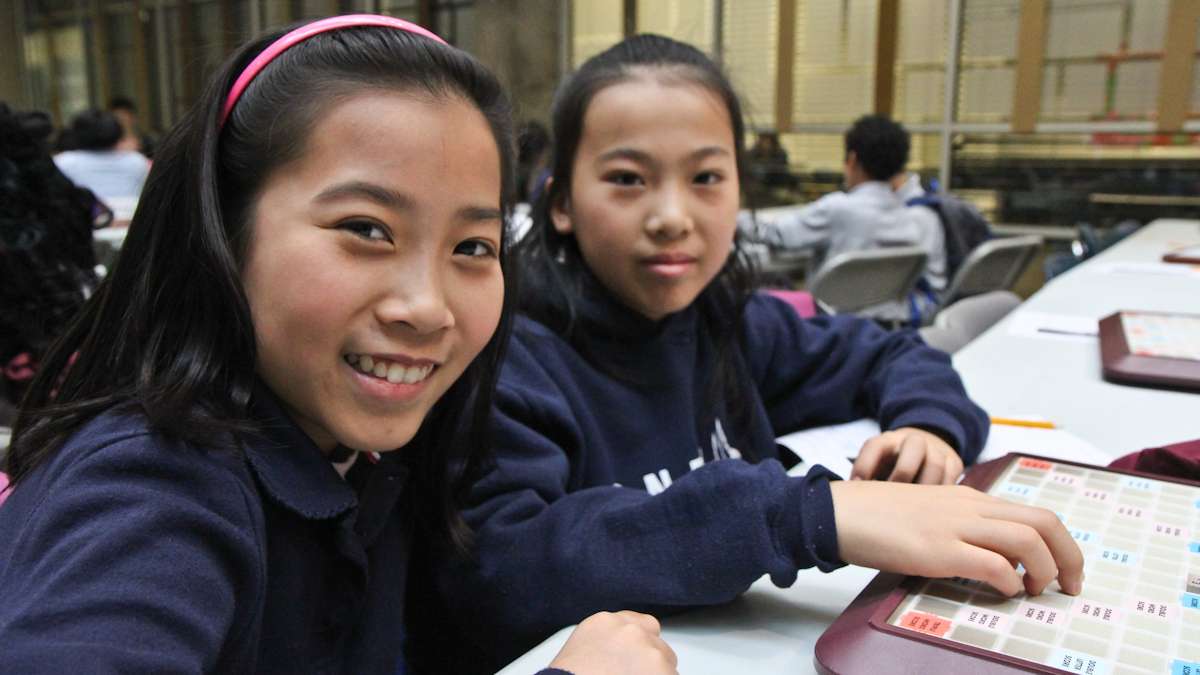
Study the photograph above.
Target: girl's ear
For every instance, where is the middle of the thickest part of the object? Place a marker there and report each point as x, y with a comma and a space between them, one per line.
560, 212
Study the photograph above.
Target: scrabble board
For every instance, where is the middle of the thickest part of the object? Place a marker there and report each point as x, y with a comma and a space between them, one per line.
1138, 614
1151, 348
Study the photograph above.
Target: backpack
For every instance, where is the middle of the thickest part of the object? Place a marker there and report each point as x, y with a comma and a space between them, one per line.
963, 225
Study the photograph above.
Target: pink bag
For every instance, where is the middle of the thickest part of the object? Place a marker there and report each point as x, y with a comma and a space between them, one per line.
802, 301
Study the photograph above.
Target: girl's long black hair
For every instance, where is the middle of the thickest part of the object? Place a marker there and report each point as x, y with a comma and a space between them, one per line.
552, 262
169, 334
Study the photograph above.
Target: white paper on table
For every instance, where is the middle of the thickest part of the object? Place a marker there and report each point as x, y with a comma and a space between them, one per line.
836, 446
1055, 443
1148, 268
833, 447
1054, 326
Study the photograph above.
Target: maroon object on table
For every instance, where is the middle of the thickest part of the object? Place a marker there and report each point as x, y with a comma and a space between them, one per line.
861, 641
1179, 460
1122, 366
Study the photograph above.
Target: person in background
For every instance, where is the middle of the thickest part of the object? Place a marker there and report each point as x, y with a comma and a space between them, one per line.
533, 152
228, 460
646, 382
869, 214
47, 265
132, 136
115, 176
533, 148
768, 161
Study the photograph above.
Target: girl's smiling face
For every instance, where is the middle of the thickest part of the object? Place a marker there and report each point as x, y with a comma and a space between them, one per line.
654, 191
373, 270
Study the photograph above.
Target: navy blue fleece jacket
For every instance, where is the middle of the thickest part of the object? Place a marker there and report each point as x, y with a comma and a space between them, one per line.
129, 552
619, 487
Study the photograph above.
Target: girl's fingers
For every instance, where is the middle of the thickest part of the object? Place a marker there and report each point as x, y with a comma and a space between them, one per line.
1062, 547
954, 469
933, 472
647, 622
1020, 542
909, 458
666, 650
984, 564
869, 458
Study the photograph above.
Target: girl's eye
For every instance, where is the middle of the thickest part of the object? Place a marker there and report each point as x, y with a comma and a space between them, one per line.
366, 229
475, 248
624, 178
708, 178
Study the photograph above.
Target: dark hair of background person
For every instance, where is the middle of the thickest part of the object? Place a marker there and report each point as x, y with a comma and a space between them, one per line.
146, 143
533, 142
122, 103
95, 129
879, 144
169, 333
47, 265
553, 262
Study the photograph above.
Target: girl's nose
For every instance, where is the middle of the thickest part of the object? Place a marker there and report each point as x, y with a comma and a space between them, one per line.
671, 219
419, 302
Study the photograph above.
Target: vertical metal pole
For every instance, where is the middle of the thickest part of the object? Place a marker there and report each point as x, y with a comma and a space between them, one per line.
166, 98
718, 48
950, 96
565, 36
23, 31
103, 88
54, 81
255, 7
785, 59
887, 27
141, 62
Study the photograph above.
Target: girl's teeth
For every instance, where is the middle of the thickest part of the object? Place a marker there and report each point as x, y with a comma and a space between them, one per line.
395, 374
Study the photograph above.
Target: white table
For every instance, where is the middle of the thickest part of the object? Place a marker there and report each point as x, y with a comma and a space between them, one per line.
773, 630
1059, 377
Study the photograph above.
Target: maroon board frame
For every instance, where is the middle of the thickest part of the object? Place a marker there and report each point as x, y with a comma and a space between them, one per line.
1122, 366
1178, 256
861, 640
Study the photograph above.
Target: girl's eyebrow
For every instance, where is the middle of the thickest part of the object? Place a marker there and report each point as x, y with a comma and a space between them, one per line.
642, 157
395, 200
480, 213
384, 196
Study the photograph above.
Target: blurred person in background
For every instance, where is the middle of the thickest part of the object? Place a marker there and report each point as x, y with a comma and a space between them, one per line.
46, 259
132, 135
116, 176
869, 214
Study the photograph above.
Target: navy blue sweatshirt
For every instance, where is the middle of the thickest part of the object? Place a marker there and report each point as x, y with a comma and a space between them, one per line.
619, 487
128, 552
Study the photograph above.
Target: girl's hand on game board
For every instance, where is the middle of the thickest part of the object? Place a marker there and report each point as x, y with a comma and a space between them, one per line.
616, 642
908, 455
954, 531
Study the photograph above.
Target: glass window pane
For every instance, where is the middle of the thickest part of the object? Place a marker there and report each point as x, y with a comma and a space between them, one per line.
986, 69
921, 62
834, 69
750, 35
597, 25
689, 21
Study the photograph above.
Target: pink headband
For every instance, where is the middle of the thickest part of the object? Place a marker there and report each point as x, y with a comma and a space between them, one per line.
303, 33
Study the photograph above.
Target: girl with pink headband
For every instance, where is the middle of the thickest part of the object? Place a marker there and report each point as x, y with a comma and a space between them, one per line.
282, 389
